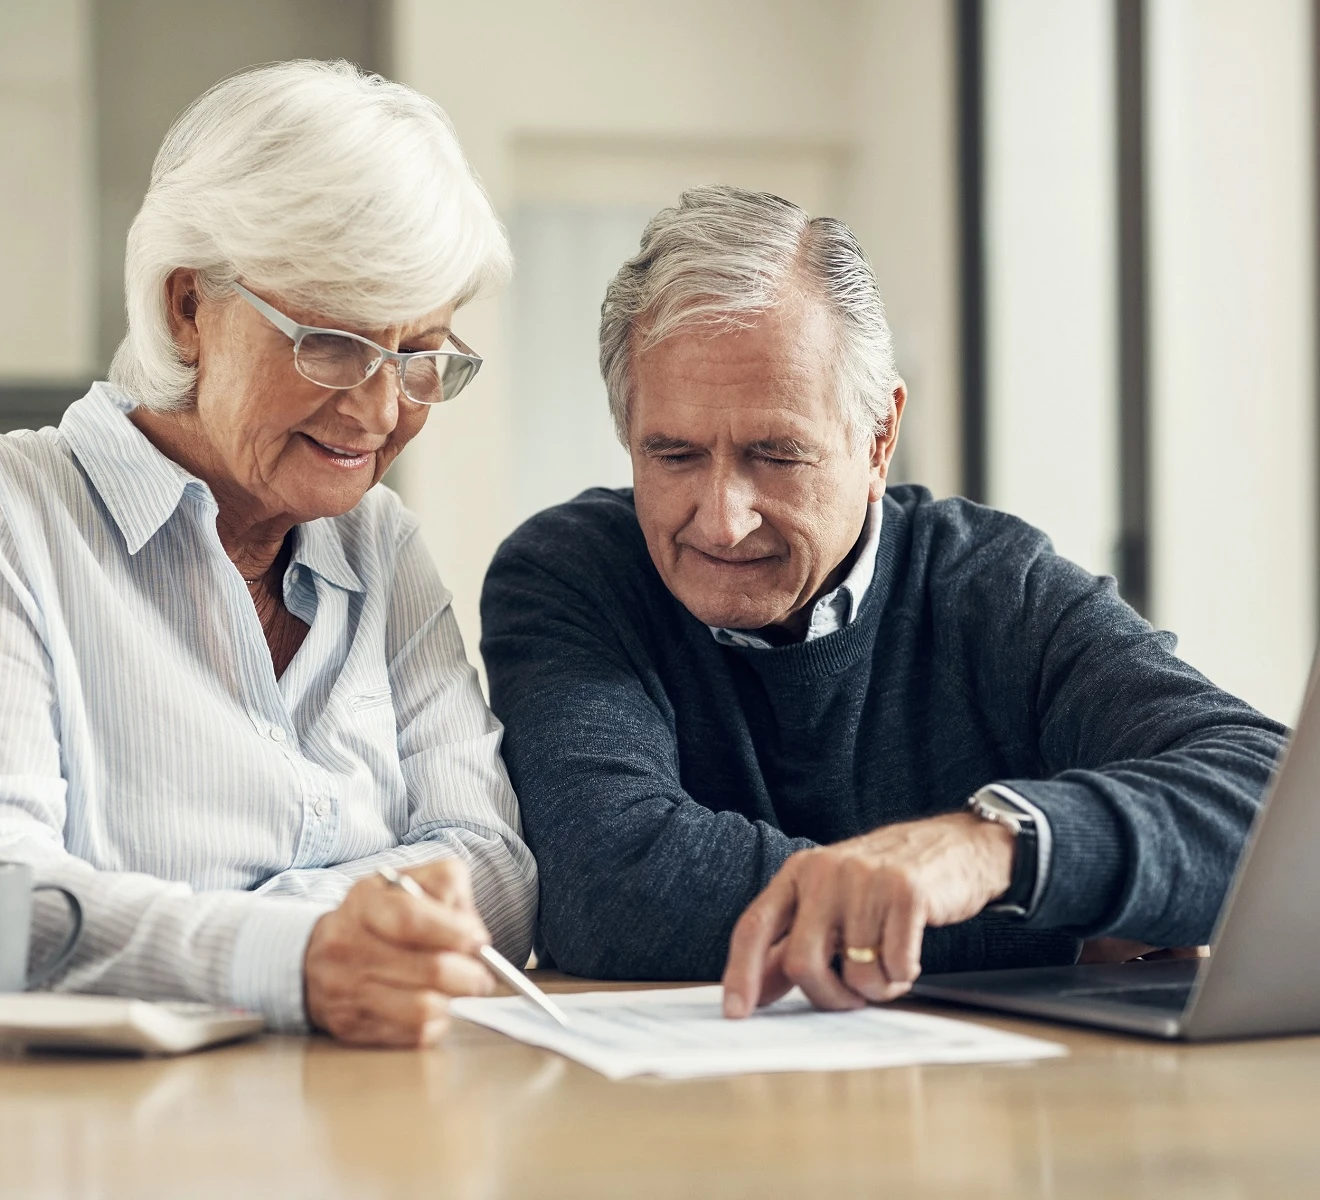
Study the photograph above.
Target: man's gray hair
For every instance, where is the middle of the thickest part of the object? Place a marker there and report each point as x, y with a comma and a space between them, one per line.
722, 257
344, 193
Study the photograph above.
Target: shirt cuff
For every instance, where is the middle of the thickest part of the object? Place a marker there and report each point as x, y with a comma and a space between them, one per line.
266, 974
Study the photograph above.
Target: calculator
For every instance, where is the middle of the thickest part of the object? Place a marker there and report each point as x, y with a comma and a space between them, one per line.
114, 1025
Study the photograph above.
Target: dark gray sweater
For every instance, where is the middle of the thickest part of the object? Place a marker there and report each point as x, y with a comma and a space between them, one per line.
665, 778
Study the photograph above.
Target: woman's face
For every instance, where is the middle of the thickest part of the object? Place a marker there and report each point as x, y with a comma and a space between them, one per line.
278, 444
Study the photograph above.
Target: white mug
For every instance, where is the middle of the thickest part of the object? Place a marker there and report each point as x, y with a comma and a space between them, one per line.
16, 890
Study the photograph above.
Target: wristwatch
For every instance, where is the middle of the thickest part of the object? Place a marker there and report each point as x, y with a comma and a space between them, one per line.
1003, 806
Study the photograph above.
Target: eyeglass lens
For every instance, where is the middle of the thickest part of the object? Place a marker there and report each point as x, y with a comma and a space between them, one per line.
343, 362
432, 378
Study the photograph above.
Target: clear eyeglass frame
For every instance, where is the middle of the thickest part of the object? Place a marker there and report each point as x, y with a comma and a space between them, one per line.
439, 375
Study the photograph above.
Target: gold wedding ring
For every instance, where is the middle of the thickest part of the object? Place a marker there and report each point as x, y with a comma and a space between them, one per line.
860, 954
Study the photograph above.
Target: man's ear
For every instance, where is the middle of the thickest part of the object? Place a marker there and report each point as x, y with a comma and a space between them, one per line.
885, 442
181, 302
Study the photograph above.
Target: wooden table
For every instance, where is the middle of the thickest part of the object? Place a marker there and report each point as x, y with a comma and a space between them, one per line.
485, 1117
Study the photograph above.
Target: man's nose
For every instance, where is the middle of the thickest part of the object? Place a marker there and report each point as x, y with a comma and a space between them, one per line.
726, 512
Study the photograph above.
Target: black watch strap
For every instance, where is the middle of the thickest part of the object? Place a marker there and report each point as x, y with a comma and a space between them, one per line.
1003, 807
1026, 863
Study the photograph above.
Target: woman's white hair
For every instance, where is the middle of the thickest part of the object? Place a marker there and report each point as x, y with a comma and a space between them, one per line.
342, 192
723, 256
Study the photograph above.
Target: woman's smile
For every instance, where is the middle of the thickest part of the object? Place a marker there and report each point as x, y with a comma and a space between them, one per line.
346, 458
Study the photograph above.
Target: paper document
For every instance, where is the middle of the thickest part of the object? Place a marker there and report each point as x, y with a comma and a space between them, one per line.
681, 1033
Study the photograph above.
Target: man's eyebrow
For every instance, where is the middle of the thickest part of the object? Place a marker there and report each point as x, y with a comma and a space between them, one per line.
783, 448
664, 443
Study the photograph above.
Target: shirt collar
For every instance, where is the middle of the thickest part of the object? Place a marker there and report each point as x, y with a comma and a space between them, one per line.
136, 482
850, 592
317, 545
858, 581
142, 487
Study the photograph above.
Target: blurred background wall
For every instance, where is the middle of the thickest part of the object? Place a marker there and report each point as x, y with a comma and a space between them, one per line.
1093, 223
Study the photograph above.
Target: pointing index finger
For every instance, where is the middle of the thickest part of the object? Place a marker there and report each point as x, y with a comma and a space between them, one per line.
766, 920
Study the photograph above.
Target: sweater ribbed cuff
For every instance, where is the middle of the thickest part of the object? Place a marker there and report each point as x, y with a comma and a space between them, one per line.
990, 942
1088, 862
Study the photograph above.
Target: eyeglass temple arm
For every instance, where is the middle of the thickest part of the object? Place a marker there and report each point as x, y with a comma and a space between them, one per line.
464, 347
286, 325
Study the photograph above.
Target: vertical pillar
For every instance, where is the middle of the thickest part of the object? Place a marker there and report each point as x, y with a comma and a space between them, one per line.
1233, 376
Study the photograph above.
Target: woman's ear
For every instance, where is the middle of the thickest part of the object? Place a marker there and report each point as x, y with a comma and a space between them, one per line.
181, 300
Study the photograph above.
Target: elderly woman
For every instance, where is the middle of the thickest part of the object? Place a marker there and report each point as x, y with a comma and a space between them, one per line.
231, 683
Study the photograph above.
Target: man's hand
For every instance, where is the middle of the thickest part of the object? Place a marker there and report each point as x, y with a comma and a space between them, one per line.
879, 891
380, 969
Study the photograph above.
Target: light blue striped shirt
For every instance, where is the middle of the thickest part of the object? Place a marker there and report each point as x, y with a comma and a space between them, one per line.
206, 812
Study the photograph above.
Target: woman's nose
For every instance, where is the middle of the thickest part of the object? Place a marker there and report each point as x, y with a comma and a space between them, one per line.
376, 400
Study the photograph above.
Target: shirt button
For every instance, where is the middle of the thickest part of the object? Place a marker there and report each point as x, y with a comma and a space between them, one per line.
322, 808
276, 734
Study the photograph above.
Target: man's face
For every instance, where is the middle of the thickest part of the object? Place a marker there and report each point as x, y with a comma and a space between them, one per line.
750, 488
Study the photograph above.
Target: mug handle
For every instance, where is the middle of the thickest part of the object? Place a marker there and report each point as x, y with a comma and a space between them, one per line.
65, 952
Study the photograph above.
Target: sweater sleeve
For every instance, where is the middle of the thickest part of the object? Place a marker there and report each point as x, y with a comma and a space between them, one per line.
638, 880
1149, 775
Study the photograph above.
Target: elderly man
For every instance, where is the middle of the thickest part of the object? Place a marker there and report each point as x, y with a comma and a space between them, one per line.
923, 736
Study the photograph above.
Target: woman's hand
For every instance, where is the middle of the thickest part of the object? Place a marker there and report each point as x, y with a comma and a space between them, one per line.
380, 969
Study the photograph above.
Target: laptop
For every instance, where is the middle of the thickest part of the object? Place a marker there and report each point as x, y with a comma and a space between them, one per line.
1263, 976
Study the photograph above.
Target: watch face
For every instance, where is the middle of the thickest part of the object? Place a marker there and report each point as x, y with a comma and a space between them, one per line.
1003, 807
998, 805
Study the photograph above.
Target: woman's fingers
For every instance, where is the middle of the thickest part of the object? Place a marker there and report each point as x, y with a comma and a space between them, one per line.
447, 972
394, 916
375, 1014
447, 880
380, 968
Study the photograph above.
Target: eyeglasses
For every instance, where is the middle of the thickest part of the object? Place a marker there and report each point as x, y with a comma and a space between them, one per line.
335, 359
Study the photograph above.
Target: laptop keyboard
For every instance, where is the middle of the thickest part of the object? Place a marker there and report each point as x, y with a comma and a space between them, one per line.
1172, 997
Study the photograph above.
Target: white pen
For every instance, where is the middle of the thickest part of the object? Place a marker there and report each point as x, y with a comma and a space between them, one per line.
489, 955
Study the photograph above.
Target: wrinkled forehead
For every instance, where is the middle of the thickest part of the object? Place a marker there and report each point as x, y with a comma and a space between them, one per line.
777, 430
772, 377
